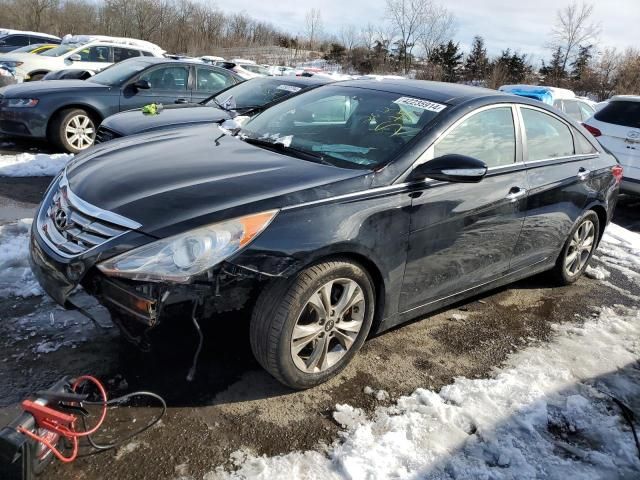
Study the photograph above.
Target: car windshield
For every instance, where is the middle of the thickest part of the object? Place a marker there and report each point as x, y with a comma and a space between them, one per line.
61, 50
119, 73
346, 126
28, 48
254, 93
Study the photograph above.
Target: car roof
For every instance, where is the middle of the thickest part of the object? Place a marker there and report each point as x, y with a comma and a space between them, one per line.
450, 93
625, 98
6, 31
302, 81
194, 61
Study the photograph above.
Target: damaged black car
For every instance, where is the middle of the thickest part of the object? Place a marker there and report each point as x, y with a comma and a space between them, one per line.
338, 213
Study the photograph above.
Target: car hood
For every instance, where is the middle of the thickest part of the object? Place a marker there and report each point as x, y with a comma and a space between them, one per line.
175, 180
134, 121
39, 88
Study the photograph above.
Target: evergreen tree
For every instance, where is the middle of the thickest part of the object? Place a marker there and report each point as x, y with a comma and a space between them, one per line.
554, 74
476, 65
449, 57
581, 63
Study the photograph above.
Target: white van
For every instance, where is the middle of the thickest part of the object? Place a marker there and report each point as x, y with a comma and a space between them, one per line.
85, 52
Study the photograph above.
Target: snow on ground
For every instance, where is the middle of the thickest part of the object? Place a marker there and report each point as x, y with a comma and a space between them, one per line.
545, 414
32, 165
17, 279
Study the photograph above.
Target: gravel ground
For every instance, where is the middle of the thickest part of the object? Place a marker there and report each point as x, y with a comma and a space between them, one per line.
233, 404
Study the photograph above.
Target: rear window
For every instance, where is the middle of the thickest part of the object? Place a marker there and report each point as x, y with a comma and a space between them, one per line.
622, 113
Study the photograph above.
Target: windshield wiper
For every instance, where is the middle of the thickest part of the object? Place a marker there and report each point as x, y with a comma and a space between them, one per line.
280, 147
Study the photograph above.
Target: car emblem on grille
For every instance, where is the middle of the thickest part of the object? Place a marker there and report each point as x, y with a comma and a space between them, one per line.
61, 219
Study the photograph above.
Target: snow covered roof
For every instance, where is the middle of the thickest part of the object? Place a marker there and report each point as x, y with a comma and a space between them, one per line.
132, 42
240, 61
7, 31
212, 58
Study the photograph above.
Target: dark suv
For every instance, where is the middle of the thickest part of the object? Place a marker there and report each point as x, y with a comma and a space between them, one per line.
67, 112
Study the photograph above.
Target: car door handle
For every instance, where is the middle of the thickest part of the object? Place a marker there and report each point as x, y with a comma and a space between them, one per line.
583, 174
181, 100
516, 193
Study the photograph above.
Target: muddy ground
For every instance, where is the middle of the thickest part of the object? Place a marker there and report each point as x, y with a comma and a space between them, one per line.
232, 403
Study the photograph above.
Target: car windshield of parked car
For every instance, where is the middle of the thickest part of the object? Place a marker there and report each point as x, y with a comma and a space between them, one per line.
346, 126
254, 93
117, 74
60, 50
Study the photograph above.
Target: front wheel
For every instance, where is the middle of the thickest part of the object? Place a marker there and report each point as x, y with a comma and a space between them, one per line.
74, 130
578, 249
306, 331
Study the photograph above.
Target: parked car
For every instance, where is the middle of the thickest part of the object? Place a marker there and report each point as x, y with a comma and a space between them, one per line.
11, 40
257, 69
80, 52
617, 127
344, 210
68, 112
565, 100
36, 48
246, 98
69, 74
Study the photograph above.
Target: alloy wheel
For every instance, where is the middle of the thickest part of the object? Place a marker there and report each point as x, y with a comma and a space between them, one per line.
580, 247
80, 132
328, 325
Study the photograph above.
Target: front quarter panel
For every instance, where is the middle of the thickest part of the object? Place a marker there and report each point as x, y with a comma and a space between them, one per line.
370, 228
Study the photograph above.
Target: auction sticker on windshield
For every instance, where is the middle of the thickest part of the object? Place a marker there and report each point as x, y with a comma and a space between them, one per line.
419, 103
288, 88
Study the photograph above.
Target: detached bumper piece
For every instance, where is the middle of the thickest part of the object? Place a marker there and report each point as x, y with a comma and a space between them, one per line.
129, 302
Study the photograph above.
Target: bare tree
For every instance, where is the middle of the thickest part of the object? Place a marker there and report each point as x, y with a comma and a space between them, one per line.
368, 35
573, 28
628, 77
407, 17
313, 23
349, 36
438, 28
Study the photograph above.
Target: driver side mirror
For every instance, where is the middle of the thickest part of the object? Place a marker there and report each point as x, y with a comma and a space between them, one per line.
451, 168
75, 58
142, 85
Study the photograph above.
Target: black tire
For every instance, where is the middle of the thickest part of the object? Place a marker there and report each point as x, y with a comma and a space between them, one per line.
559, 272
68, 118
276, 313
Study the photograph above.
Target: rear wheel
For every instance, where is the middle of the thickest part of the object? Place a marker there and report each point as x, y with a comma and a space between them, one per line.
306, 331
74, 130
578, 249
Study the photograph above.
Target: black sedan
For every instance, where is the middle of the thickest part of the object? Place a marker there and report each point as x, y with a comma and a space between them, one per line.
342, 211
246, 98
68, 112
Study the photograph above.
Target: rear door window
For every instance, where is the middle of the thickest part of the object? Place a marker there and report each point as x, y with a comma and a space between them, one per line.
211, 81
488, 136
98, 54
572, 109
547, 137
120, 54
626, 114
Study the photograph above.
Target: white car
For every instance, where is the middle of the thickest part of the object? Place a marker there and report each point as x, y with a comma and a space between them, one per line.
617, 128
79, 52
578, 108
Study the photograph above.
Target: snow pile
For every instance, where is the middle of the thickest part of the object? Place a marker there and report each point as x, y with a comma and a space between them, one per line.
620, 249
32, 165
17, 278
543, 415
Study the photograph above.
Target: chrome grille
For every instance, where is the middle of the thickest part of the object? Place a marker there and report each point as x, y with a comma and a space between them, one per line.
104, 135
71, 226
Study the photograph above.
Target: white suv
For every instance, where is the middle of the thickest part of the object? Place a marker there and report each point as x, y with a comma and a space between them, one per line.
617, 128
80, 52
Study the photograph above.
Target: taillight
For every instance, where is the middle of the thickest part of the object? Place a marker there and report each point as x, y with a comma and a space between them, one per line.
592, 130
617, 172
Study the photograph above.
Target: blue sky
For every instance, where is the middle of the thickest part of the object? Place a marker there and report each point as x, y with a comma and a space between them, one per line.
523, 26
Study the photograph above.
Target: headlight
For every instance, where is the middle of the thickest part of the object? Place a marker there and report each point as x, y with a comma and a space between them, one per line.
181, 257
21, 102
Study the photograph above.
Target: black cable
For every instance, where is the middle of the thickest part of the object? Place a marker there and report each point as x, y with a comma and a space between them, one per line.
628, 415
119, 400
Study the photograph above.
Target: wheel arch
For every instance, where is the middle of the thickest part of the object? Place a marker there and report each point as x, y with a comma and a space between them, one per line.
38, 72
601, 212
91, 110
